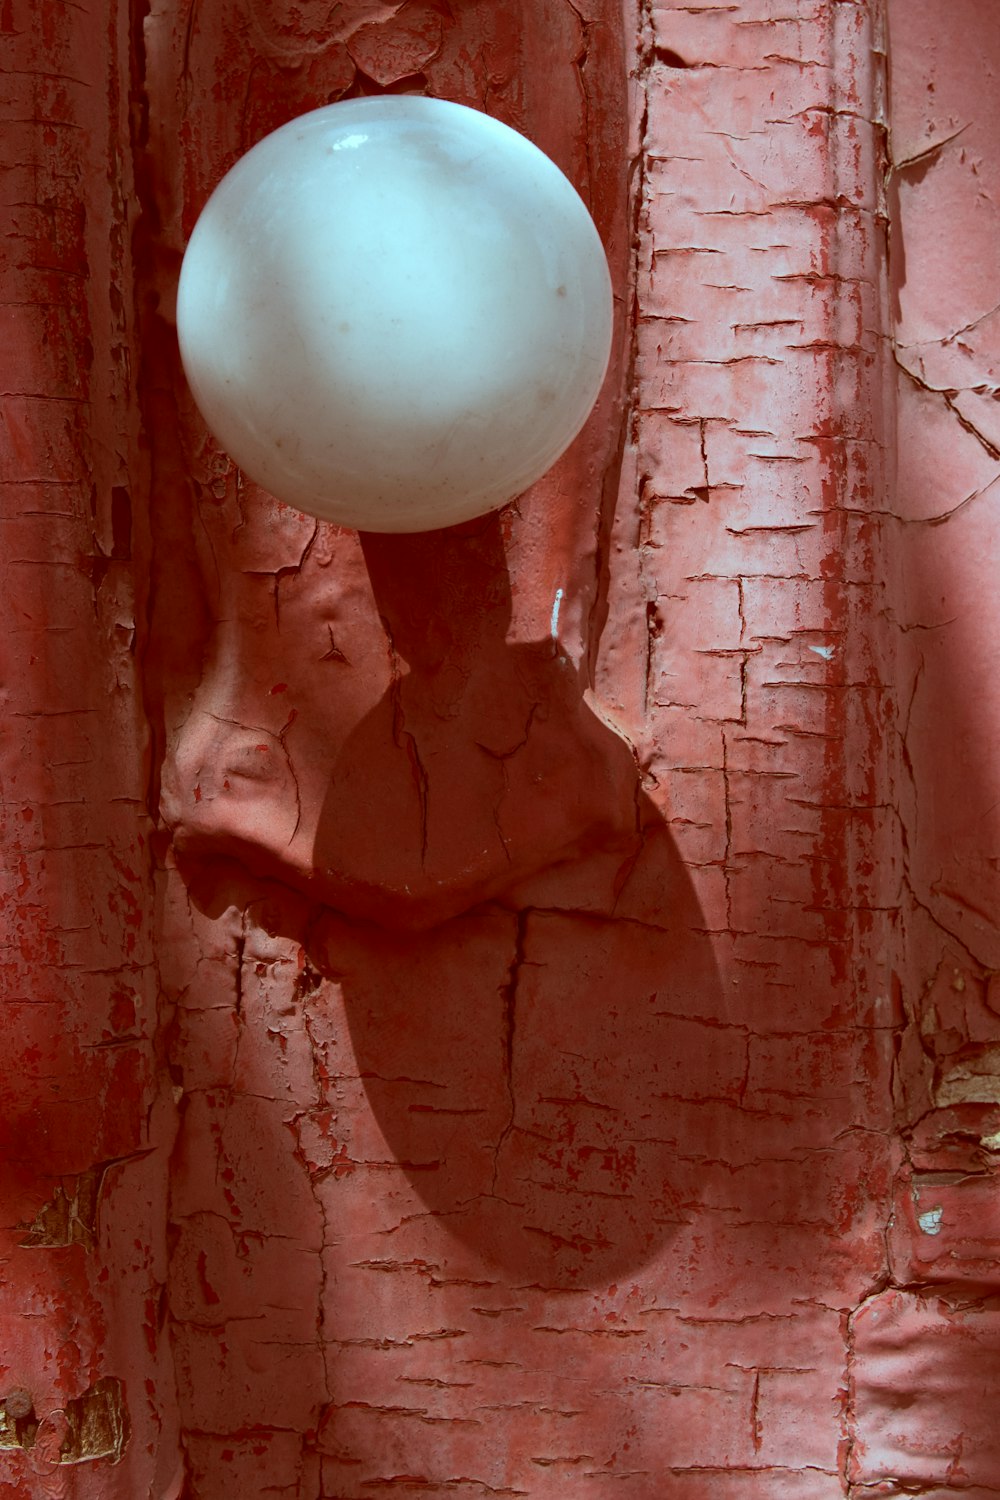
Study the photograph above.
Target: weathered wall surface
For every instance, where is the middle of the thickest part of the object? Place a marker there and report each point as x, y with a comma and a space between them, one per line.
84, 1372
525, 1016
927, 1347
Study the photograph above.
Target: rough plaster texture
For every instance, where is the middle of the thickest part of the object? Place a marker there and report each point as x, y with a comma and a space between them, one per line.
512, 1011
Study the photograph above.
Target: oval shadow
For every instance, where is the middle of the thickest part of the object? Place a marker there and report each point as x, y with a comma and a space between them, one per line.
537, 1015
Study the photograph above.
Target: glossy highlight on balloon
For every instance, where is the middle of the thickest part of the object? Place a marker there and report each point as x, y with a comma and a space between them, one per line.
395, 313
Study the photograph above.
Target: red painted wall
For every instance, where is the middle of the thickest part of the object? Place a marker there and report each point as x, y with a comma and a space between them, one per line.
447, 1055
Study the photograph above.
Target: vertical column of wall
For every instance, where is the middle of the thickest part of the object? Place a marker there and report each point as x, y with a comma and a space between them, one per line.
750, 638
315, 1302
930, 1345
85, 1396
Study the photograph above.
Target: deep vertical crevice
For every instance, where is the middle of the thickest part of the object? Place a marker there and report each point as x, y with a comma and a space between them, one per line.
626, 400
509, 1032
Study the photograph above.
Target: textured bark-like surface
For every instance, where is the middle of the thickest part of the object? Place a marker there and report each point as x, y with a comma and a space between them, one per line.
758, 549
927, 1355
554, 1096
83, 1131
557, 1114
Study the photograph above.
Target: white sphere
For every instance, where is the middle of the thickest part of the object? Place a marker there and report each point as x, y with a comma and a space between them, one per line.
395, 313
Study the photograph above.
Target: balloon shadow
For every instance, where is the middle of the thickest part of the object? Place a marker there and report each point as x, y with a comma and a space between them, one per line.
531, 994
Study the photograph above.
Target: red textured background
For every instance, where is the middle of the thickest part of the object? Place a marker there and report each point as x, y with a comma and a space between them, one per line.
445, 1057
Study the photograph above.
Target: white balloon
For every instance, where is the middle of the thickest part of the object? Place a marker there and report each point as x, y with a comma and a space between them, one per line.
395, 313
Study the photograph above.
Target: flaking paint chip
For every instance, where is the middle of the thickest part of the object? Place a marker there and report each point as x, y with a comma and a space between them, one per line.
930, 1222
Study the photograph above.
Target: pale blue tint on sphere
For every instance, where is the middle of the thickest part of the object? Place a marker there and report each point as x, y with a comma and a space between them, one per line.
395, 313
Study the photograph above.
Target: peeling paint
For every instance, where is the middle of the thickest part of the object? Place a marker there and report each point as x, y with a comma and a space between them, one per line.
554, 623
527, 1179
70, 1216
930, 1220
546, 1068
81, 1097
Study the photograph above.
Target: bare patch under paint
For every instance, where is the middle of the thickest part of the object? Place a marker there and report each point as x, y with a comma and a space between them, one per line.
930, 1222
94, 1425
976, 1080
70, 1216
97, 1424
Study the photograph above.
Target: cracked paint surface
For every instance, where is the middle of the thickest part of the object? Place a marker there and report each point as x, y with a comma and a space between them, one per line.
512, 1011
925, 1345
83, 1128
